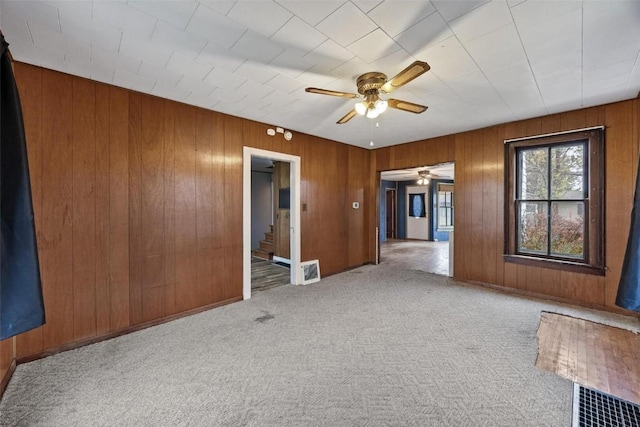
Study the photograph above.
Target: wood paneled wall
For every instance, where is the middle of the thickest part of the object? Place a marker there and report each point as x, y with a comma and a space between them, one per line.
138, 205
479, 218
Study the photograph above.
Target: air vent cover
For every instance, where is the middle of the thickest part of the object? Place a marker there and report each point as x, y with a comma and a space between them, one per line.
593, 408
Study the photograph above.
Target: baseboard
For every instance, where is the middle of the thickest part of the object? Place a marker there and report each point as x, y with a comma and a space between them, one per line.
539, 296
7, 377
128, 330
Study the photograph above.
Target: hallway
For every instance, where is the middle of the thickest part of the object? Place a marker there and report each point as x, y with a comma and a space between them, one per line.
430, 257
266, 275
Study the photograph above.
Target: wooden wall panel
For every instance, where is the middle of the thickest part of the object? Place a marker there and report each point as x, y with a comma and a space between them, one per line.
479, 219
490, 209
84, 209
233, 142
185, 208
169, 236
498, 179
621, 149
152, 208
57, 208
6, 356
355, 226
204, 207
7, 360
119, 208
222, 278
325, 196
102, 202
30, 89
135, 208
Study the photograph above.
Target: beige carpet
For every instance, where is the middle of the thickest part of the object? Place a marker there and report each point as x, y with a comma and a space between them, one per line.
375, 346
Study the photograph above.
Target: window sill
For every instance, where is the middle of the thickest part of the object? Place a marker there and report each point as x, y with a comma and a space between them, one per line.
573, 267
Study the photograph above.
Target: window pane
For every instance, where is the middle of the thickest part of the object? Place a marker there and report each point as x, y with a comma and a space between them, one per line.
567, 172
533, 228
567, 229
534, 167
416, 205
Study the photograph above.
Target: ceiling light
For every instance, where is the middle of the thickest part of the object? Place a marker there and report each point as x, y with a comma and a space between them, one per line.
371, 108
372, 113
381, 106
423, 177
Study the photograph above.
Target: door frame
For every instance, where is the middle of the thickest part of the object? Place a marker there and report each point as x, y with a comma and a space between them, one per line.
295, 242
394, 213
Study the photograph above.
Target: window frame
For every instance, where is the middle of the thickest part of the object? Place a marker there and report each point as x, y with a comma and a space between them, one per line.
449, 207
594, 212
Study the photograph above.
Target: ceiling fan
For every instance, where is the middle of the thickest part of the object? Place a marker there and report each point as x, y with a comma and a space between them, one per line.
370, 85
424, 176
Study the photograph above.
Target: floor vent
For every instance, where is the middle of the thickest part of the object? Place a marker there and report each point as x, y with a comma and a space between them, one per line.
592, 408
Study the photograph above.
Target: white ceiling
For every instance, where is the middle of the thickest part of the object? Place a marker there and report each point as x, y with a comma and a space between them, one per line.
441, 171
491, 61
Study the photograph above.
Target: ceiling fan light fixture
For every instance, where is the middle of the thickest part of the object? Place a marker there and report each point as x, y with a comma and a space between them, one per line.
381, 106
362, 107
423, 177
372, 113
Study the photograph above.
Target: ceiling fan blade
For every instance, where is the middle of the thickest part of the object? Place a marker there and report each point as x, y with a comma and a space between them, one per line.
331, 92
350, 115
406, 106
414, 70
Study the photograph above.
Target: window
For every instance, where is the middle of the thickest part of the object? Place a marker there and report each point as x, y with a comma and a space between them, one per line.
555, 201
416, 205
445, 207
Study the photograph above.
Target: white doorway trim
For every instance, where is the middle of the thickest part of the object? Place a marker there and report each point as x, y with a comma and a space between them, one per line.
248, 152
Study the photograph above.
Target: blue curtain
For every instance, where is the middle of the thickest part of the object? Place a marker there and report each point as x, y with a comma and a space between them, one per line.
629, 287
21, 303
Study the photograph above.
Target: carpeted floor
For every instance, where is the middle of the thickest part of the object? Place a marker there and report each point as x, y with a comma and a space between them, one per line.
375, 346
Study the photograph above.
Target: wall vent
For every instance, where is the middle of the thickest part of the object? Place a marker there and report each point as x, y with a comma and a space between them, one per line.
593, 408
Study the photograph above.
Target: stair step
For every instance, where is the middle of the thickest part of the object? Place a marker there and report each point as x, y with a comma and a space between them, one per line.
259, 253
268, 236
266, 245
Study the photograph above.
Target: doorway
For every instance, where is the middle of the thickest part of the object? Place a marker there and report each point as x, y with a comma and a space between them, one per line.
293, 223
415, 220
391, 211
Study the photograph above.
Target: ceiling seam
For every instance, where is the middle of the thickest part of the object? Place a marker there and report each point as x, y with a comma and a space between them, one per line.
582, 54
515, 25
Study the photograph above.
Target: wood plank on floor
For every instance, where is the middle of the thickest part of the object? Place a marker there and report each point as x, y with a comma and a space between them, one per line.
266, 275
597, 356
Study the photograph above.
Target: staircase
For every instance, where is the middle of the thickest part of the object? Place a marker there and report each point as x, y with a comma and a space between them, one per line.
265, 251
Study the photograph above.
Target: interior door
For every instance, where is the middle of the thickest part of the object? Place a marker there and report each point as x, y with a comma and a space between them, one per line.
390, 203
282, 195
